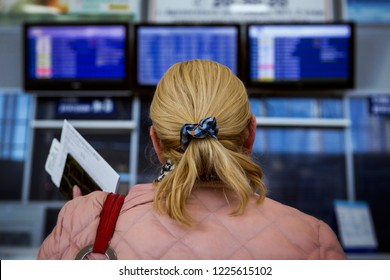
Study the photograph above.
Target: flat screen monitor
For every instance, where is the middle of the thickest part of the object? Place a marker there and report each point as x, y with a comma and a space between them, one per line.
299, 56
76, 56
160, 46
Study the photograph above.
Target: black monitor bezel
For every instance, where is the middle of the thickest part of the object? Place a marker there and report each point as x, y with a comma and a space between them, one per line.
137, 26
257, 86
77, 86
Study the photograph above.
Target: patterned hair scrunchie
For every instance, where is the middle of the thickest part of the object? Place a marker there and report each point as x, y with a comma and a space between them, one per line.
166, 168
206, 126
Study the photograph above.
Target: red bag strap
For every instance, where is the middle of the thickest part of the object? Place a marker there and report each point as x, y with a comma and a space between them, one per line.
108, 218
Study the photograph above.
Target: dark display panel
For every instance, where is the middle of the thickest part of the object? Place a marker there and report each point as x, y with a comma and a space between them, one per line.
160, 46
300, 55
76, 56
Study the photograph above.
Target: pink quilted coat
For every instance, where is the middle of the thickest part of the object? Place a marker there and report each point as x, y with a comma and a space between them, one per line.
266, 231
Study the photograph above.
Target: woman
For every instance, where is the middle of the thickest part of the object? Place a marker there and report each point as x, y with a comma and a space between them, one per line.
209, 201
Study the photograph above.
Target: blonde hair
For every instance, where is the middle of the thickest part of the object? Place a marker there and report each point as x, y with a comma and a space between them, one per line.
188, 92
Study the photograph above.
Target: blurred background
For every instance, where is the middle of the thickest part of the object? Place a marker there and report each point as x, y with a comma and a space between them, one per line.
323, 140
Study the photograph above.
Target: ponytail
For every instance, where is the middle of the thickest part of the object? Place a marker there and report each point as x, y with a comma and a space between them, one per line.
187, 93
208, 160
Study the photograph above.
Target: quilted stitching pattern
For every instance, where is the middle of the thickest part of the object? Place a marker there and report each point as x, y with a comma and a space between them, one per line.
267, 231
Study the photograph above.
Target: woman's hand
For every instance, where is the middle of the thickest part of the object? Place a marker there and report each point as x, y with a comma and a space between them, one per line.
76, 191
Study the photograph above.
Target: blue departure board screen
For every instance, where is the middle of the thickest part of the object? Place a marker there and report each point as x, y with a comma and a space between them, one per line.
76, 56
161, 46
303, 55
